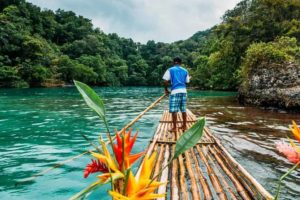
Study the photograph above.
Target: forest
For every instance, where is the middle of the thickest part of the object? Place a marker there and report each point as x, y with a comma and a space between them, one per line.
43, 48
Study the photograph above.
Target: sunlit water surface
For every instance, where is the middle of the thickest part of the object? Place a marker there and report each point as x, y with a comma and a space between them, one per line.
41, 127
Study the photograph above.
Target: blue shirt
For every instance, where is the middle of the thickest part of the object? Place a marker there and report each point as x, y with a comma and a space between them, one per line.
178, 77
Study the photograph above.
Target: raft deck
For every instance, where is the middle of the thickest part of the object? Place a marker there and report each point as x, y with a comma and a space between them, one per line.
207, 171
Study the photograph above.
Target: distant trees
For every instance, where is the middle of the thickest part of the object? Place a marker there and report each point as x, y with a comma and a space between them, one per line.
219, 60
41, 46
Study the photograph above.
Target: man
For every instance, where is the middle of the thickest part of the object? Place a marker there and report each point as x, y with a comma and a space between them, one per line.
178, 76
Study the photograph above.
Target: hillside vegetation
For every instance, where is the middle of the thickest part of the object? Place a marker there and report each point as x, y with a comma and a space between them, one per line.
46, 48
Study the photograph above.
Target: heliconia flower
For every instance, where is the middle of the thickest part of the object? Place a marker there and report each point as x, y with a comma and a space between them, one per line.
296, 130
141, 187
128, 144
95, 166
290, 153
110, 164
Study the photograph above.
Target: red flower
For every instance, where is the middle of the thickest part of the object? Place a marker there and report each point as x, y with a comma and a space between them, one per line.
128, 144
95, 166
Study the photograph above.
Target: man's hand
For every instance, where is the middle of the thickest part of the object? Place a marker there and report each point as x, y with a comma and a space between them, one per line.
166, 83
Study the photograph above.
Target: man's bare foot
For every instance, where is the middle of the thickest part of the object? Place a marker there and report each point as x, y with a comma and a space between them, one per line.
172, 130
183, 128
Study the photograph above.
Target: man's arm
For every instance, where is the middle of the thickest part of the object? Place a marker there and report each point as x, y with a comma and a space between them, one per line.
166, 84
166, 78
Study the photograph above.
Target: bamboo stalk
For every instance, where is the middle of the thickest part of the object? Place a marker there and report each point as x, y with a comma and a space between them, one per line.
174, 174
190, 121
182, 177
183, 187
244, 173
165, 172
256, 184
240, 189
159, 159
174, 142
238, 174
200, 176
189, 167
214, 179
229, 189
143, 113
41, 173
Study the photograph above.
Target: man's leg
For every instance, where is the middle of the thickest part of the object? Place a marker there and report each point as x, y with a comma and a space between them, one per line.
174, 120
183, 111
173, 108
184, 121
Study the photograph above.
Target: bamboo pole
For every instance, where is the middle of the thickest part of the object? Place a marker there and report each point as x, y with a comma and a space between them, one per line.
240, 189
190, 121
153, 145
253, 181
143, 113
238, 174
244, 173
203, 182
174, 175
160, 156
174, 142
219, 174
189, 167
165, 172
214, 179
182, 177
43, 172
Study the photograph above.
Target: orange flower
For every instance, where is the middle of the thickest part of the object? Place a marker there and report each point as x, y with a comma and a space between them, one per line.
296, 130
128, 144
110, 163
140, 188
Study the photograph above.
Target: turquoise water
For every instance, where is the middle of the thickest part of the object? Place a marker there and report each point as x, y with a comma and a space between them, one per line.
41, 127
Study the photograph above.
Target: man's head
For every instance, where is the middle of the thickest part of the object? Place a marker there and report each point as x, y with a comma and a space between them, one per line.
177, 61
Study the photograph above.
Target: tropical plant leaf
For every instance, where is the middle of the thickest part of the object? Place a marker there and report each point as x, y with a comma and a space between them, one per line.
92, 99
189, 138
85, 192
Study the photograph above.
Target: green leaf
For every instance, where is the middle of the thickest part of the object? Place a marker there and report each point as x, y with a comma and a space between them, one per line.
85, 192
92, 99
189, 138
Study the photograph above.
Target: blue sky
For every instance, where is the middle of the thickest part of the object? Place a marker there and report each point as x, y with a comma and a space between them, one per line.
143, 20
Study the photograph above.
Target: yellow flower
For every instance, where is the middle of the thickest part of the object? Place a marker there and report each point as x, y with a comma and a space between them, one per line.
111, 164
141, 188
296, 131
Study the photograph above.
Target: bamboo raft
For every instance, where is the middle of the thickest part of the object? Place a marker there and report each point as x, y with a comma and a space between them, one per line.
207, 171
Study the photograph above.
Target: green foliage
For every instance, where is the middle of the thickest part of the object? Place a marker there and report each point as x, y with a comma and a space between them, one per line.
189, 138
33, 74
97, 64
91, 98
38, 45
9, 77
72, 69
282, 50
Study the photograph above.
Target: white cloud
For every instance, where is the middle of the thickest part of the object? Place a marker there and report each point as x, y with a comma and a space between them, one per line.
143, 20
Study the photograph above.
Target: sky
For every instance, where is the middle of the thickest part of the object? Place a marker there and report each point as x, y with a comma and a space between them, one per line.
143, 20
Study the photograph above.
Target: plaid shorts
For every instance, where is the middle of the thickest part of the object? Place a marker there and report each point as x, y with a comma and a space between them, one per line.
177, 102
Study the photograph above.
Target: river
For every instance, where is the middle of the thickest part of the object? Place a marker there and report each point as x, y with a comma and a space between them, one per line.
41, 127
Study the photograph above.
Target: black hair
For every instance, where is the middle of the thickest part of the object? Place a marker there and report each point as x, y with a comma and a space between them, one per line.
177, 60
